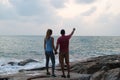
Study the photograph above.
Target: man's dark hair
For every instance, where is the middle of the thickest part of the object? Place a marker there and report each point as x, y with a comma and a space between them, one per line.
62, 32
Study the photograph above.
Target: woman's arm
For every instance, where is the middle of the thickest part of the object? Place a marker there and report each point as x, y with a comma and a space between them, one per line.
44, 44
53, 44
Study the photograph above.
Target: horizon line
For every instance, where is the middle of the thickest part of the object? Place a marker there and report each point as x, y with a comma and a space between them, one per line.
58, 35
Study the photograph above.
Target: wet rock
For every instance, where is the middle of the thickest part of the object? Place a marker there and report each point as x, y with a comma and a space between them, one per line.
12, 63
35, 69
22, 63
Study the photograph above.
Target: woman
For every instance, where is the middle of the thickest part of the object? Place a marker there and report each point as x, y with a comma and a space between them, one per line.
49, 47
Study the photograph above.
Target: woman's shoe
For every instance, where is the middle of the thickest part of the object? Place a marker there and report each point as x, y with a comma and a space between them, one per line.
53, 75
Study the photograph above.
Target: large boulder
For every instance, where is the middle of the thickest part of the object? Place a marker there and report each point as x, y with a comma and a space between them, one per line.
98, 75
96, 64
113, 74
86, 67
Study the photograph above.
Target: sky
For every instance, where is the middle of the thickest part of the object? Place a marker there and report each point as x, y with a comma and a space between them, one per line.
34, 17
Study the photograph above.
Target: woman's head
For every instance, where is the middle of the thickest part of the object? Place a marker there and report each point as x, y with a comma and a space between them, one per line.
48, 33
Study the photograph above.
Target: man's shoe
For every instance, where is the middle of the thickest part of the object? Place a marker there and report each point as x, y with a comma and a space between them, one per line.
68, 76
48, 73
63, 76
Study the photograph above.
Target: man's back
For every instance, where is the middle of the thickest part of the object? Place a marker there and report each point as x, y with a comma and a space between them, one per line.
63, 41
63, 45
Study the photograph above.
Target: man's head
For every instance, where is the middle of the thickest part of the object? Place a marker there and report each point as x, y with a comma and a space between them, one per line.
62, 32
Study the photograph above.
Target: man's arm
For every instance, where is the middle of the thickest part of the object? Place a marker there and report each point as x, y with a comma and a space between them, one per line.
57, 45
72, 33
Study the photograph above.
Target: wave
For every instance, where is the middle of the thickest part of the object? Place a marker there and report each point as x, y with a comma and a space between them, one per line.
14, 67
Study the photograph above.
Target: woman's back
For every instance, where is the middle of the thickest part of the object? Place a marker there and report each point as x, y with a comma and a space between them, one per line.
49, 44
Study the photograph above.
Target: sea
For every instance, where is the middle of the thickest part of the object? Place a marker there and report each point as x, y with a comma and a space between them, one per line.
20, 48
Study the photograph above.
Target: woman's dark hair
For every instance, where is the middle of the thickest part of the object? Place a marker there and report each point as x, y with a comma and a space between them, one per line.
62, 32
50, 31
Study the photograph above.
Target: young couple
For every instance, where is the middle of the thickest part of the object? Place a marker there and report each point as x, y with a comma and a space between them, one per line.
63, 45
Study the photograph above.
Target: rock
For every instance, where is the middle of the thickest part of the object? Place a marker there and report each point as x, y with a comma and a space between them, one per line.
93, 65
84, 77
79, 69
98, 75
98, 68
111, 64
22, 63
35, 69
86, 67
101, 68
113, 74
12, 63
105, 68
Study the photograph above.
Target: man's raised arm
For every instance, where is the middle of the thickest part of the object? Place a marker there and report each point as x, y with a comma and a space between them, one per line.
72, 31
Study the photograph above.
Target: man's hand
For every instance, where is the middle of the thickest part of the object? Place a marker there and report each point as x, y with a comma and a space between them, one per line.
56, 52
73, 29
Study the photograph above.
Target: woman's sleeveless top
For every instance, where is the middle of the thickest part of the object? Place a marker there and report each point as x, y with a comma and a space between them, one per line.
49, 47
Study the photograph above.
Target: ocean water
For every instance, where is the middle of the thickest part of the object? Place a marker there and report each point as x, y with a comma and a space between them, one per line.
19, 48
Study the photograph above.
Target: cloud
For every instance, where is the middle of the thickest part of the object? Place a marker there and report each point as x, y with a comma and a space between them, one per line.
7, 12
29, 7
21, 28
58, 3
36, 16
85, 1
89, 12
105, 25
39, 11
27, 17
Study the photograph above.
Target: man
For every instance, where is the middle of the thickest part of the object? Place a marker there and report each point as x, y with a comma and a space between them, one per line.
63, 45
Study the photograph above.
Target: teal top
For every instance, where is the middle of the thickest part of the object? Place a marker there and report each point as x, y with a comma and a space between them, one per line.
49, 47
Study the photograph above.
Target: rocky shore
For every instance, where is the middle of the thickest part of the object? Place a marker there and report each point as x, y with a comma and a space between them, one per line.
98, 68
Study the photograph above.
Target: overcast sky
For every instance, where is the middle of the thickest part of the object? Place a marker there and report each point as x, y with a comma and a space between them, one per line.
34, 17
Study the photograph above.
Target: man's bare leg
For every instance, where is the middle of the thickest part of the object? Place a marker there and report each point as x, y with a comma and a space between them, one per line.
67, 62
61, 60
